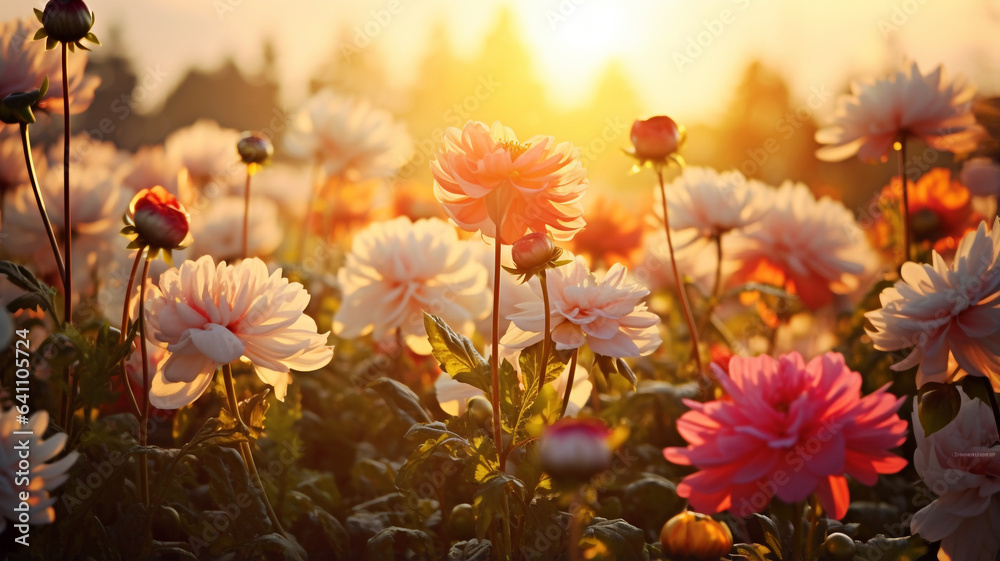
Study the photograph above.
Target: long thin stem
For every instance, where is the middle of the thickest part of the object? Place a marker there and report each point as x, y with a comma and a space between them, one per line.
547, 334
495, 348
245, 450
576, 525
29, 162
124, 332
144, 417
569, 383
67, 215
906, 199
246, 214
67, 230
713, 300
814, 515
797, 509
681, 293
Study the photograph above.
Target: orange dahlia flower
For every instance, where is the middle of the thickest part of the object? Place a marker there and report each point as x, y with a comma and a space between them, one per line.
484, 176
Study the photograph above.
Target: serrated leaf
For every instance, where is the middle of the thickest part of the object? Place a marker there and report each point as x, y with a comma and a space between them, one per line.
385, 545
457, 355
402, 399
489, 499
618, 539
252, 412
472, 550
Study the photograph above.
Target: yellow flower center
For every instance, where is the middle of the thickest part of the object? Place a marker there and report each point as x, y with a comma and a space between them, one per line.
513, 148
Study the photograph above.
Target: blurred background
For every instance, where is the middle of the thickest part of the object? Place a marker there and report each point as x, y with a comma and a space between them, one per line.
752, 80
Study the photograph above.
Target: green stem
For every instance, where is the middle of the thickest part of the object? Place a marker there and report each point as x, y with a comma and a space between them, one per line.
906, 200
576, 525
797, 530
569, 383
495, 343
547, 333
144, 417
67, 229
815, 513
681, 293
713, 300
124, 332
245, 450
29, 162
246, 215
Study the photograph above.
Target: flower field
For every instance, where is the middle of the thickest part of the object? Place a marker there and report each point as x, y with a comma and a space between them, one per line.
335, 339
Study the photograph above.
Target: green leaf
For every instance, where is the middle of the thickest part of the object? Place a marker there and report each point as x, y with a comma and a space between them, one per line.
472, 550
457, 355
93, 38
488, 502
40, 34
396, 543
252, 412
617, 539
528, 362
772, 537
401, 399
753, 551
50, 43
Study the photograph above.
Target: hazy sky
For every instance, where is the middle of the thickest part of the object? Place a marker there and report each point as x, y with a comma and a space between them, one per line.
684, 55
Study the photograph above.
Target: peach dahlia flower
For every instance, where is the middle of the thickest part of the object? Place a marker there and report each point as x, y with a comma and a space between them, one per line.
943, 312
398, 269
812, 248
960, 463
208, 315
607, 313
906, 103
25, 63
537, 185
788, 428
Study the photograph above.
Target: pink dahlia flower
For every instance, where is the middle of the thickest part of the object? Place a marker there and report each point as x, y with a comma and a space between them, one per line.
960, 463
537, 185
788, 429
208, 315
24, 65
943, 312
905, 104
607, 313
397, 270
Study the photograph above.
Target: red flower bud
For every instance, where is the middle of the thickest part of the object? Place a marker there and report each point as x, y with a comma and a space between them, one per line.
575, 449
656, 138
160, 220
67, 21
533, 250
